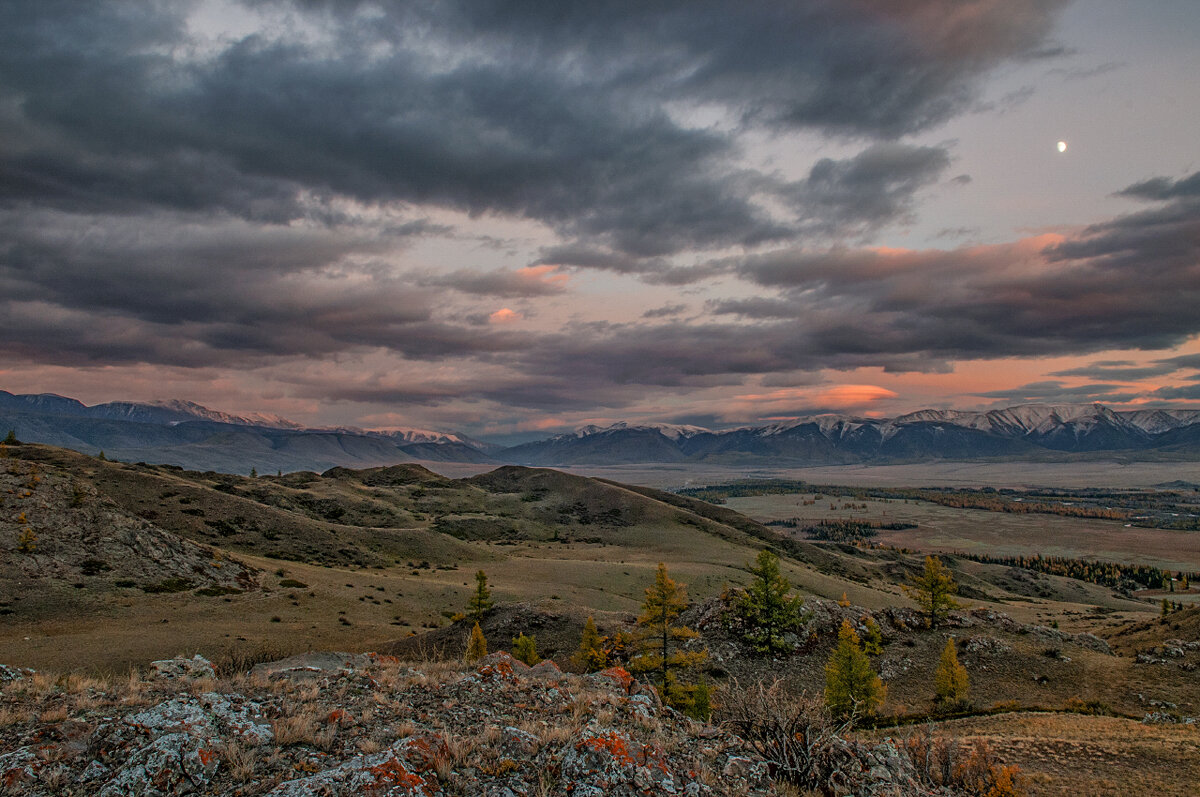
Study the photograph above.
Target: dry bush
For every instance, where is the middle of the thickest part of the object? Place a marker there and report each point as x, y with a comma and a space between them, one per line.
793, 732
971, 769
75, 684
558, 734
369, 746
236, 660
201, 686
240, 761
55, 778
10, 716
54, 714
134, 690
303, 727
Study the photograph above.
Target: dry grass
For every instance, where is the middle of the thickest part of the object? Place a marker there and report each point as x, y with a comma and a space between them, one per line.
1093, 755
13, 716
241, 761
369, 746
303, 727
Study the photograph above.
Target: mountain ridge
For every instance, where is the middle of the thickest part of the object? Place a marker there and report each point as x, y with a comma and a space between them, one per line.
190, 435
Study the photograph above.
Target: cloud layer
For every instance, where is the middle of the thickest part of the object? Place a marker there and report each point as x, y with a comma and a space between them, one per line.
296, 190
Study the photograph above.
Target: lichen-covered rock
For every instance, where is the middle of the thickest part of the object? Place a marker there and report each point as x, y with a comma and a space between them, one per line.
407, 769
195, 668
609, 763
9, 674
208, 716
175, 763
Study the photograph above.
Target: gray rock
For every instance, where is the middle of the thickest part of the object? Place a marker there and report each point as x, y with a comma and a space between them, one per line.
195, 667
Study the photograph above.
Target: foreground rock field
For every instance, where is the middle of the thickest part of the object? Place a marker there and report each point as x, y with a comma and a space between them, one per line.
333, 724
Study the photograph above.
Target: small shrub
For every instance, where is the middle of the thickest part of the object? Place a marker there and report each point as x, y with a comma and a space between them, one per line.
217, 590
92, 567
793, 731
476, 645
525, 650
590, 657
175, 584
970, 769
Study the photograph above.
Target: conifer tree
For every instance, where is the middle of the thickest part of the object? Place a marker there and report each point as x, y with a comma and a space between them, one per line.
872, 637
525, 649
1166, 607
660, 641
11, 438
852, 689
950, 681
932, 591
481, 600
476, 645
766, 609
590, 656
845, 601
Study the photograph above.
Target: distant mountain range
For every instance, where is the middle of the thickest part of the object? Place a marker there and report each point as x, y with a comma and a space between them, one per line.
192, 436
1032, 430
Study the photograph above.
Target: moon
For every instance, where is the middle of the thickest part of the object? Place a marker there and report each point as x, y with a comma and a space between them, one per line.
1062, 146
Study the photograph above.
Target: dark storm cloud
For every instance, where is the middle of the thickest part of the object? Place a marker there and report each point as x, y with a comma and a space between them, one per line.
1124, 373
1132, 282
1182, 362
520, 284
1057, 393
861, 194
665, 311
1159, 188
1187, 392
758, 307
553, 112
124, 290
170, 200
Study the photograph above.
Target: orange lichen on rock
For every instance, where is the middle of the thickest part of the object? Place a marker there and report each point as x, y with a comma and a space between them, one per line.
612, 743
500, 665
392, 773
426, 752
619, 676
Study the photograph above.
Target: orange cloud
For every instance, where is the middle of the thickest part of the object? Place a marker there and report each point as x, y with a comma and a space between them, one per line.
505, 316
543, 274
854, 395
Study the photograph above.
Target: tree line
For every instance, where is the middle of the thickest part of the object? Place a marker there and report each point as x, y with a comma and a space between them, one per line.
1109, 574
762, 615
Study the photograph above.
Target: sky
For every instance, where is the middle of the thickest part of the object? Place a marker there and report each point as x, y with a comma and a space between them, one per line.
513, 218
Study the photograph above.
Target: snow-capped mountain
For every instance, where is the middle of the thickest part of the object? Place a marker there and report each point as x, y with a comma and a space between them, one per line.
180, 411
193, 436
1011, 432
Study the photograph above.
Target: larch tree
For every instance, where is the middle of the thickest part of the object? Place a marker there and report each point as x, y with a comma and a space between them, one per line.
872, 637
660, 642
481, 599
476, 645
852, 689
950, 680
933, 591
590, 656
525, 649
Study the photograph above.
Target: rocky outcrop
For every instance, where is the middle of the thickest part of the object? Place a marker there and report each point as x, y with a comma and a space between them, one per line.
349, 724
54, 528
